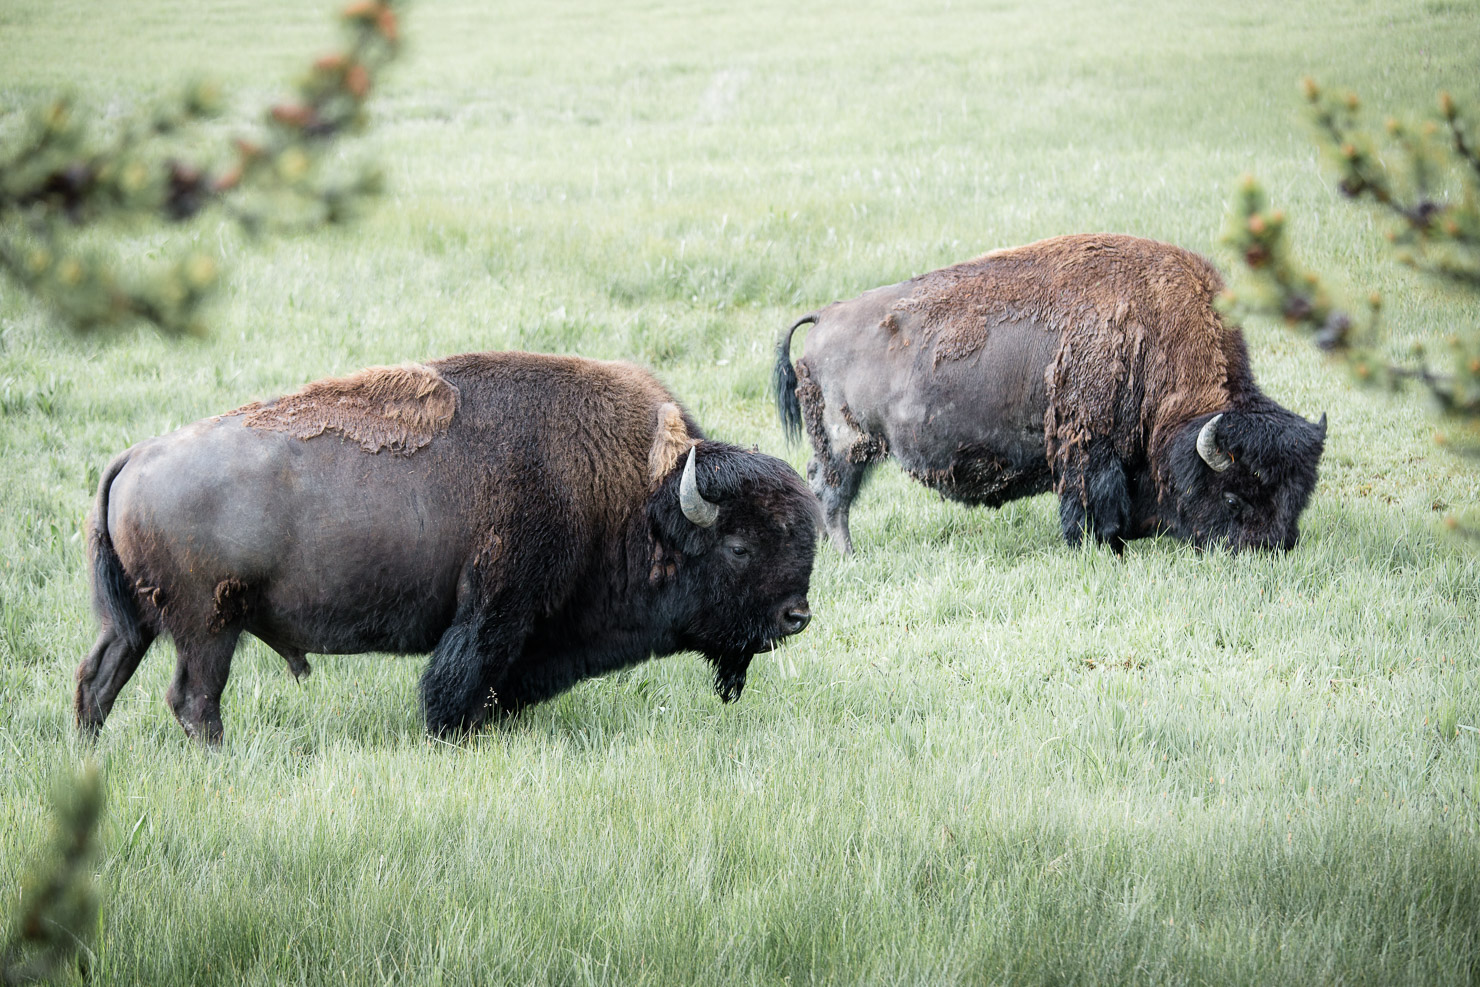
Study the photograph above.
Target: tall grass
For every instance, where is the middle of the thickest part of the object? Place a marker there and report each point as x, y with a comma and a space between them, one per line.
991, 758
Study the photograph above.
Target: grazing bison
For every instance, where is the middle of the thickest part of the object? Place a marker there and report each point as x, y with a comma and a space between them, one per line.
530, 520
1093, 365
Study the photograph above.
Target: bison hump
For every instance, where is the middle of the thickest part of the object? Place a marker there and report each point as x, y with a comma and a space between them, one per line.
396, 408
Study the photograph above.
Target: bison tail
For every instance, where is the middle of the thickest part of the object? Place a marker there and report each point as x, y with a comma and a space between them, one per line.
113, 592
784, 380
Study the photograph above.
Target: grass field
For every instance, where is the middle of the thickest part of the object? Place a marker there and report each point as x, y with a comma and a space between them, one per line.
991, 758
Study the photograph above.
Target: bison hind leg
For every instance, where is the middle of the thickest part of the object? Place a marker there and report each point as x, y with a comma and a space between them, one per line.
201, 671
842, 454
836, 483
104, 673
1095, 498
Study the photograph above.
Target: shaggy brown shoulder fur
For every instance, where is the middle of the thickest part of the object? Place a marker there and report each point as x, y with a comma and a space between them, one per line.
615, 432
396, 408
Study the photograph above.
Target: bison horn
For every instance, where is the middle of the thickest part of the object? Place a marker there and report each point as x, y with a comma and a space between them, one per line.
695, 507
1322, 425
1207, 446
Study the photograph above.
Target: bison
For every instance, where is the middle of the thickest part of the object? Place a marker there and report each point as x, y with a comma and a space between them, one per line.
531, 520
1093, 365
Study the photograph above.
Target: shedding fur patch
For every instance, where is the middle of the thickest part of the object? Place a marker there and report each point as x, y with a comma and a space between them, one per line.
671, 443
230, 604
396, 408
809, 396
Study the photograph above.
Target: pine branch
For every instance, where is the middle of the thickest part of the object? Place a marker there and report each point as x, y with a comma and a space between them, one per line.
1428, 178
1457, 127
1439, 233
61, 178
59, 909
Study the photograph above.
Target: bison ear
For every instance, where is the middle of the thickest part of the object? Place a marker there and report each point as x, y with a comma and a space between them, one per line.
670, 442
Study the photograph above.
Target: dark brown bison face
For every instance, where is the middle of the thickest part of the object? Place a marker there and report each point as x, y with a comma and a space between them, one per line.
746, 526
1242, 478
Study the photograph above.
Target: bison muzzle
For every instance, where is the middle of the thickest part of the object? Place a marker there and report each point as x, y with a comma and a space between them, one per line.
1093, 365
531, 520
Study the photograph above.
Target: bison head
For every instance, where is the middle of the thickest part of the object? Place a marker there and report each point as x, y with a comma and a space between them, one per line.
1242, 477
735, 533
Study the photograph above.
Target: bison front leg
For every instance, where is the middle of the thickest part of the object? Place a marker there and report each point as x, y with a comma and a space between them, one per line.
500, 591
473, 655
1094, 497
458, 683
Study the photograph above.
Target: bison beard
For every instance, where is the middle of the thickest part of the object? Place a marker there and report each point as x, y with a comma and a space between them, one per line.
1094, 366
567, 519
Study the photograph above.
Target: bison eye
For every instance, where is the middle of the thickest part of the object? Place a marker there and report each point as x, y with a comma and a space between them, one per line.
1233, 502
739, 551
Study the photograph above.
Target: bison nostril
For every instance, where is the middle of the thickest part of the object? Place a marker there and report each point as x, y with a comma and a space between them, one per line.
796, 620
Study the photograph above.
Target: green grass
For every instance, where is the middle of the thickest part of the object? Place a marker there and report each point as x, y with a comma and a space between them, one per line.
991, 759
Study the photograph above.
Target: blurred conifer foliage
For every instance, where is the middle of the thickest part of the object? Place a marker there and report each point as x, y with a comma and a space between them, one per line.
65, 179
1425, 177
57, 914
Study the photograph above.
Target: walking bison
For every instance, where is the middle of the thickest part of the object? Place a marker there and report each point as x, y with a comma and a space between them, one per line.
1092, 365
531, 520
